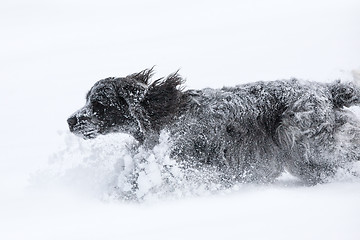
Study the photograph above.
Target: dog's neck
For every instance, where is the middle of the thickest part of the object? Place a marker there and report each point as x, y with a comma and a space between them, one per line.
152, 118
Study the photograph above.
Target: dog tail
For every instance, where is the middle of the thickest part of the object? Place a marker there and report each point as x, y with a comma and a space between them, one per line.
345, 94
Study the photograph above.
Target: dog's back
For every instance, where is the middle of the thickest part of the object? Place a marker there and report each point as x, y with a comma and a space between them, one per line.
255, 130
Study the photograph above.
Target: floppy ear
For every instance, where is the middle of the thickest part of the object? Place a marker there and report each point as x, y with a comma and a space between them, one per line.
143, 76
164, 100
166, 90
133, 89
134, 86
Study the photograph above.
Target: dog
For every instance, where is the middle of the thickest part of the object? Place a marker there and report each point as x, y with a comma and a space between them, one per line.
251, 132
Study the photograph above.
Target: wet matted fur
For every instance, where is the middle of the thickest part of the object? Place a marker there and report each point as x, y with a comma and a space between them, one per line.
251, 132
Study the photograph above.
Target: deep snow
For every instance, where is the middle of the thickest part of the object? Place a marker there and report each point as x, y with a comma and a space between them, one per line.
56, 186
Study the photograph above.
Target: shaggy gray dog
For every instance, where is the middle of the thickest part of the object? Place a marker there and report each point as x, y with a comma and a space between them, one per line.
250, 132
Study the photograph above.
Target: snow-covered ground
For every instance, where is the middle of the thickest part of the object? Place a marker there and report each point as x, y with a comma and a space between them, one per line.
56, 186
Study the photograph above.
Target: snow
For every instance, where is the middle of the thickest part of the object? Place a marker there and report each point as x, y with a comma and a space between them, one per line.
56, 186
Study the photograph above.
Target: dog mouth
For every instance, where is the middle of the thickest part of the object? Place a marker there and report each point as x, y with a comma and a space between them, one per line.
90, 134
87, 135
85, 132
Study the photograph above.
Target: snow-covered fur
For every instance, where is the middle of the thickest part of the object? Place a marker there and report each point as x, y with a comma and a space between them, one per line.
250, 132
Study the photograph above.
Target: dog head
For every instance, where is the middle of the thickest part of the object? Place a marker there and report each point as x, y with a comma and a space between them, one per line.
110, 106
129, 105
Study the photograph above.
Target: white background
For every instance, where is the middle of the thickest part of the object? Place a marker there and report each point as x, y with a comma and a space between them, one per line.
52, 52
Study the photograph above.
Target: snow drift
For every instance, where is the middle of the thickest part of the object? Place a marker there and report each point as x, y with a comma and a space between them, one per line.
109, 169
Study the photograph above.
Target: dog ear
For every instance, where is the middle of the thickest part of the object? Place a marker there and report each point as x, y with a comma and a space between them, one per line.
163, 99
143, 77
166, 89
133, 86
132, 91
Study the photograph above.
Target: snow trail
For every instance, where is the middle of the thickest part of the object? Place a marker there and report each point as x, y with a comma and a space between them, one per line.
114, 168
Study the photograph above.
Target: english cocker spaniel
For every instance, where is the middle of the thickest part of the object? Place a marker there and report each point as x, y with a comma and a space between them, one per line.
251, 132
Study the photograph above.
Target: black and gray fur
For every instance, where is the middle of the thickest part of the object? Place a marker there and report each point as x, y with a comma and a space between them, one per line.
251, 132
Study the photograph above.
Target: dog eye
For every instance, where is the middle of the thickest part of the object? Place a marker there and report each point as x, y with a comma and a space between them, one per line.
98, 109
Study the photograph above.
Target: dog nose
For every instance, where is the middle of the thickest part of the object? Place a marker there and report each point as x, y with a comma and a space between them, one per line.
72, 121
